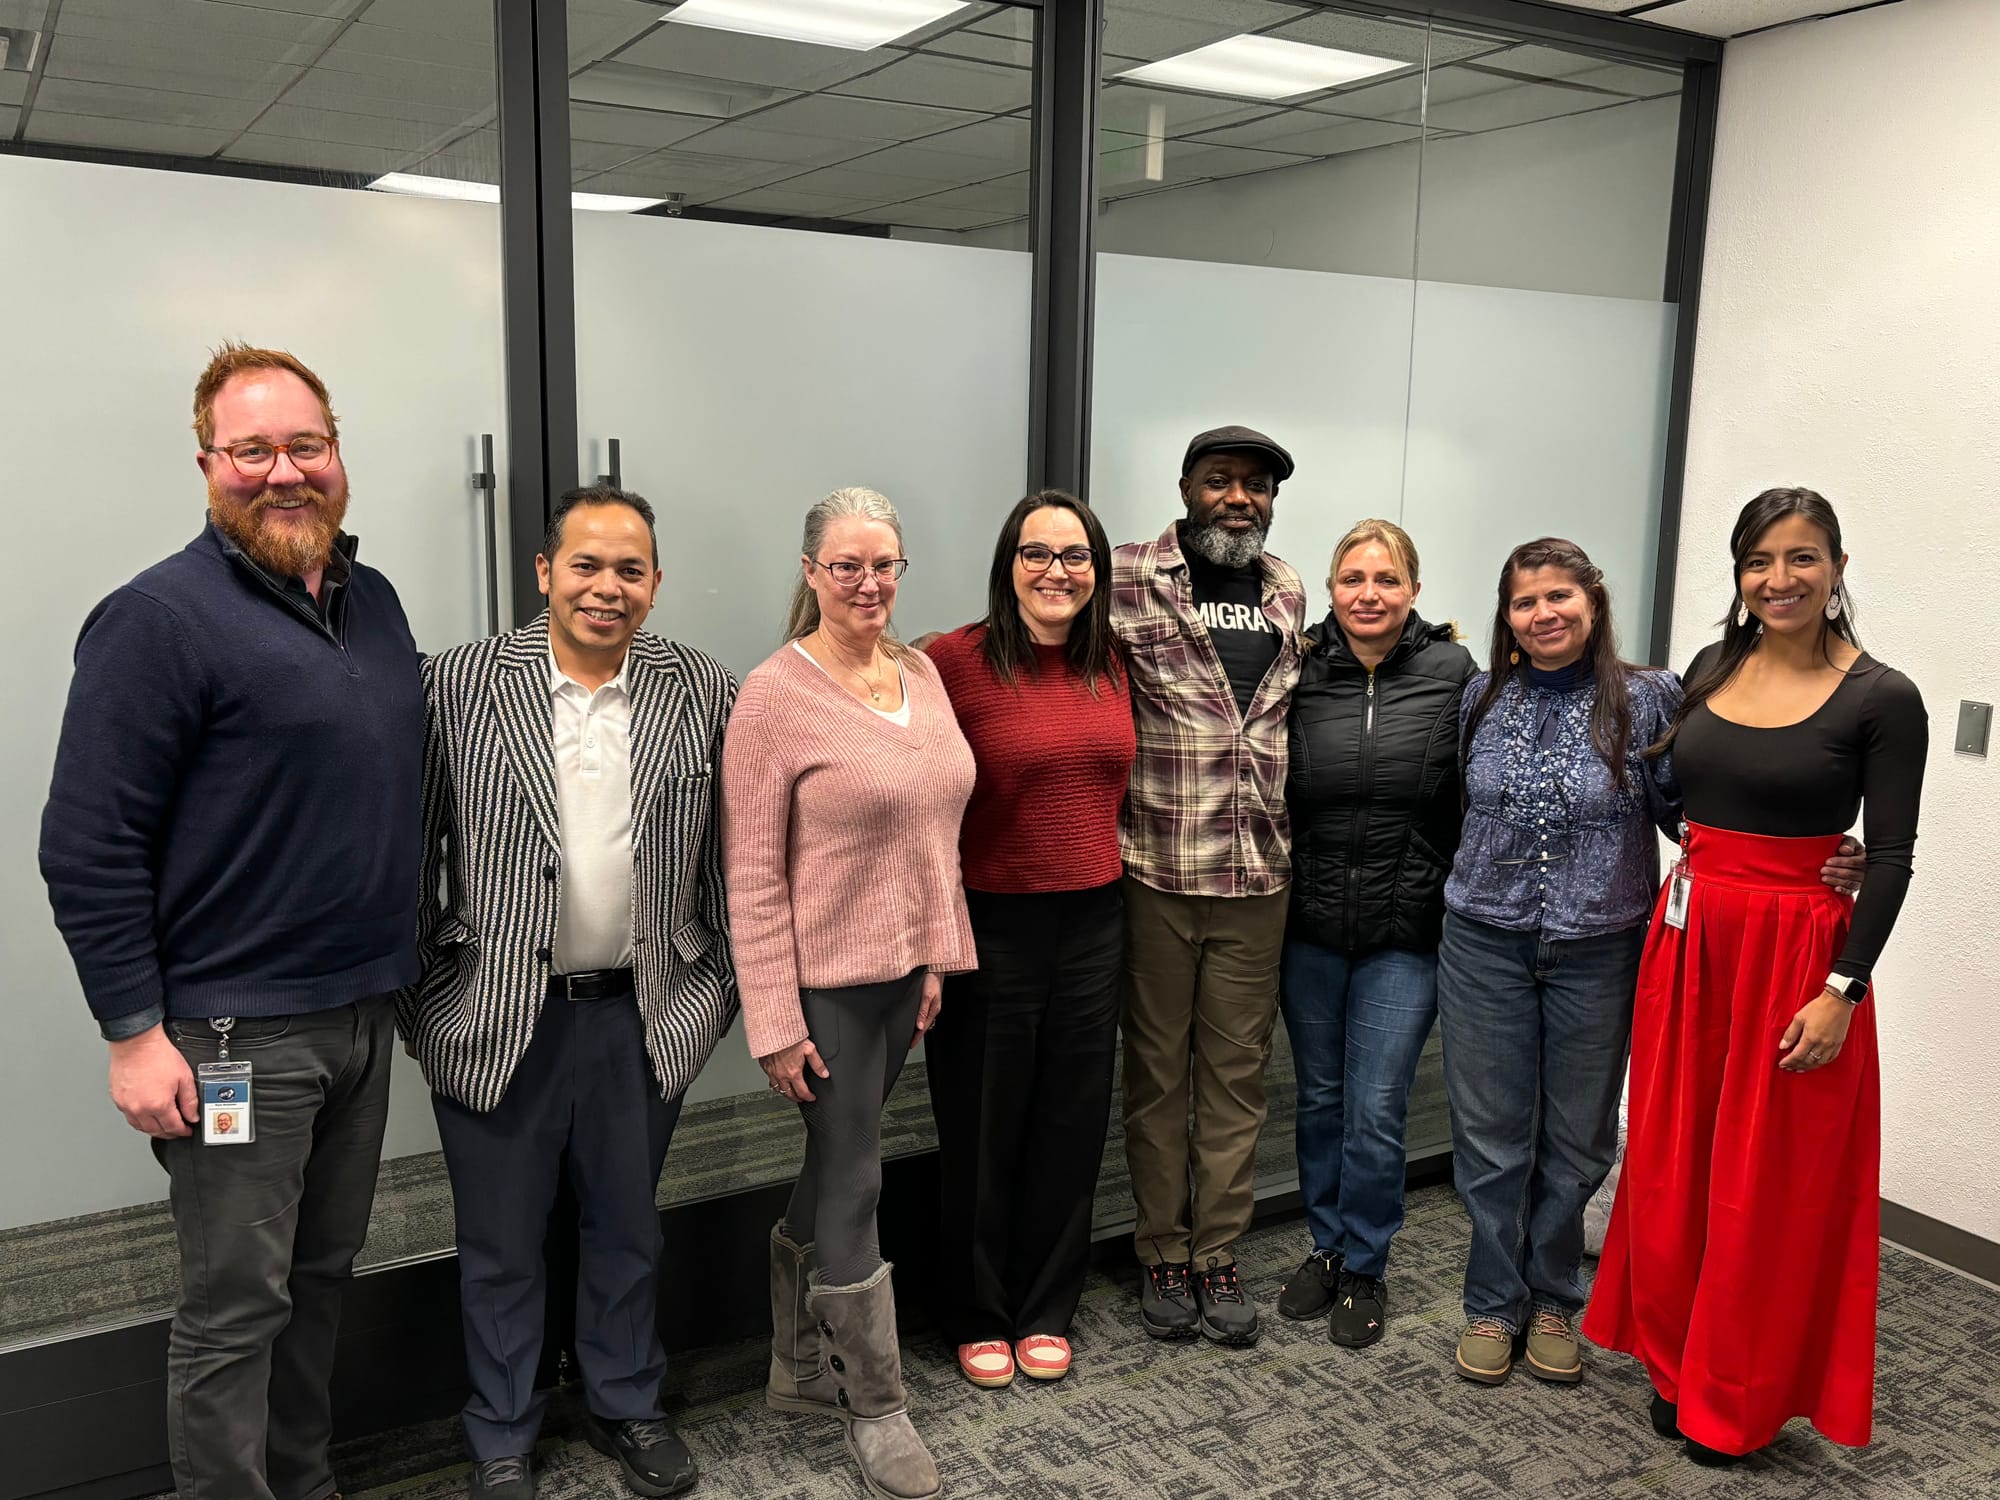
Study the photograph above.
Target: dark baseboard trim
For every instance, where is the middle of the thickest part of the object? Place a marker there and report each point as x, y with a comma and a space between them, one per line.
83, 1418
1960, 1249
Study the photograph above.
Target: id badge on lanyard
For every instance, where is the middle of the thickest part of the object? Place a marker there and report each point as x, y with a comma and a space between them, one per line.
226, 1119
1679, 887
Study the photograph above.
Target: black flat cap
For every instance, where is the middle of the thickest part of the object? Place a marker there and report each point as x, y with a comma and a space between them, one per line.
1239, 440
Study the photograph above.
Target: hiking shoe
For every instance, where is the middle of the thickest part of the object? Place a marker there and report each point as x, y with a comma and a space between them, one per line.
656, 1462
1228, 1316
989, 1364
1166, 1302
508, 1478
1308, 1292
1485, 1351
1553, 1352
1360, 1306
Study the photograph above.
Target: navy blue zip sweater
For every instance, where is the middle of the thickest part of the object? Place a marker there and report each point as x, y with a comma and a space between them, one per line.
233, 824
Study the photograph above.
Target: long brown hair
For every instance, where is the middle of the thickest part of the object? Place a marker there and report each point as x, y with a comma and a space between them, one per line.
1008, 647
1740, 628
1611, 710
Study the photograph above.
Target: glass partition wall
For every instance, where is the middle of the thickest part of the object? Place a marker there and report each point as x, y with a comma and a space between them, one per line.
793, 262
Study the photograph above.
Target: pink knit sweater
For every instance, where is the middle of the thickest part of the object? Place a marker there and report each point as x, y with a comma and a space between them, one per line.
840, 840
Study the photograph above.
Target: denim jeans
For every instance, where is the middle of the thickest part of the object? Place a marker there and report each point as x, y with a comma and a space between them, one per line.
1357, 1027
1536, 1033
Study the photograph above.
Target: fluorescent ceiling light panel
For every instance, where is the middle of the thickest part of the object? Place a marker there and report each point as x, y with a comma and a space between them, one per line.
420, 186
1262, 67
855, 24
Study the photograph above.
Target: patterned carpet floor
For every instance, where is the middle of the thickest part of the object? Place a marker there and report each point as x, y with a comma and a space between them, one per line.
1298, 1417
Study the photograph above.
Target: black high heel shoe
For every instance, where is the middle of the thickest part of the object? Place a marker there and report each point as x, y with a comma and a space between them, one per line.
1711, 1458
1666, 1417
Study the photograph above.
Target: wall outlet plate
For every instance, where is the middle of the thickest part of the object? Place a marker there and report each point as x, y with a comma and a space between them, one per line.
1975, 721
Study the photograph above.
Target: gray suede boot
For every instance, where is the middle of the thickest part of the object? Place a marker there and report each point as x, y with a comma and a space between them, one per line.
858, 1326
799, 1379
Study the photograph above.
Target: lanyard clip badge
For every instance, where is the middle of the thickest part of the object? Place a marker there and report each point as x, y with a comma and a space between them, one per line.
1679, 887
225, 1093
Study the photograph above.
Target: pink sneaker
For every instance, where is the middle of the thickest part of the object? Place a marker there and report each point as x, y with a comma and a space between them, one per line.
1042, 1356
989, 1364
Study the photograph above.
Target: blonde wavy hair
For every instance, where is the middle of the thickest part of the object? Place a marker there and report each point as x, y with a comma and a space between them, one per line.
865, 504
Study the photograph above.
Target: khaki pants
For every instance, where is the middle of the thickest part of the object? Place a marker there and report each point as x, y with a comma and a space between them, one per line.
1200, 997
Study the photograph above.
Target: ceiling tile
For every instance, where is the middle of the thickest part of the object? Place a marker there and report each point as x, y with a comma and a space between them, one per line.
365, 48
752, 143
1519, 105
1379, 38
9, 118
13, 87
65, 96
860, 180
922, 79
599, 27
56, 128
216, 20
350, 94
1139, 110
923, 214
475, 158
689, 172
786, 199
1125, 162
1006, 140
1153, 29
295, 122
1006, 20
674, 93
1623, 78
922, 160
465, 20
1606, 7
1311, 134
977, 44
860, 119
319, 155
702, 52
632, 127
1003, 195
1726, 18
257, 68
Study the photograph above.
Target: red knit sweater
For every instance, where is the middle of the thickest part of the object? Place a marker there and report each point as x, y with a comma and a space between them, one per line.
1052, 762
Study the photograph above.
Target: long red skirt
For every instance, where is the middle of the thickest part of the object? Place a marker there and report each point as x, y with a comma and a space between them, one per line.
1741, 1262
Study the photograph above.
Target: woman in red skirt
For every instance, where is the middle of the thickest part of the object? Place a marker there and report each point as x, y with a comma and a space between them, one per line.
1741, 1262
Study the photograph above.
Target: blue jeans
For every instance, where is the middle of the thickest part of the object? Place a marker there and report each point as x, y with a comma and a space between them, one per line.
1357, 1027
1536, 1033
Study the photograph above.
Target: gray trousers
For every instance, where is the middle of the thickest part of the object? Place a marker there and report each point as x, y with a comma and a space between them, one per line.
863, 1035
268, 1233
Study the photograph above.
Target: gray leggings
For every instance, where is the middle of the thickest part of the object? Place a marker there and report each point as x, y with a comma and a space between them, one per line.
863, 1035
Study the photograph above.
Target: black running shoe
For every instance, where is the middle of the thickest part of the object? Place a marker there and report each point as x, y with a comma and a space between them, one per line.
656, 1462
1166, 1302
510, 1478
1360, 1308
1228, 1316
1308, 1292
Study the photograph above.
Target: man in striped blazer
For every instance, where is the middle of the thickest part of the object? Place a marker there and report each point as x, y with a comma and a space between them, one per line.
575, 973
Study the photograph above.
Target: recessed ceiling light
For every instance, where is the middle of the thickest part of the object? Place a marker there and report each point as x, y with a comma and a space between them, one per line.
855, 24
1262, 67
419, 186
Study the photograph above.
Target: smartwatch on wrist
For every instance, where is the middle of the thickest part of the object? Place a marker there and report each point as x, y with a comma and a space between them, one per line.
1853, 991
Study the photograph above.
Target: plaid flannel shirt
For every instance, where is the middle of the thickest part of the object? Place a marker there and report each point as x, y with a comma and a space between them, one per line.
1205, 809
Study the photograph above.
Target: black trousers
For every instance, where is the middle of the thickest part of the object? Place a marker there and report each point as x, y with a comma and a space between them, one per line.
585, 1087
863, 1035
268, 1233
1020, 1066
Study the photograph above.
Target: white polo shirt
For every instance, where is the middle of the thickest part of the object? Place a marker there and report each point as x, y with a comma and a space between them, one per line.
593, 745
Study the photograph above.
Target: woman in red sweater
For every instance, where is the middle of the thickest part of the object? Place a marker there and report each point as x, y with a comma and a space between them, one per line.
1020, 1060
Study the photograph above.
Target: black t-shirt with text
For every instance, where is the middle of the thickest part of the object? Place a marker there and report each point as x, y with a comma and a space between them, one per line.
1230, 603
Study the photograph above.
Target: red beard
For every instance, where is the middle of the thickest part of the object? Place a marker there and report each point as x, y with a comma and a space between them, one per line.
292, 547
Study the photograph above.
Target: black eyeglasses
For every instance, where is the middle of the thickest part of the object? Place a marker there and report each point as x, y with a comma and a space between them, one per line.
1039, 559
255, 458
848, 574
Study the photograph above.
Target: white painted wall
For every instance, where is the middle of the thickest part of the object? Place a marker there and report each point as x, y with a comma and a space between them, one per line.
1847, 342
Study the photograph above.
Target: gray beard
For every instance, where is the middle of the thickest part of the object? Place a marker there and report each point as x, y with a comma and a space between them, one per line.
1224, 548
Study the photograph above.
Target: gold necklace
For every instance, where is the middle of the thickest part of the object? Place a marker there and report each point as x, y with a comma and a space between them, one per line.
874, 688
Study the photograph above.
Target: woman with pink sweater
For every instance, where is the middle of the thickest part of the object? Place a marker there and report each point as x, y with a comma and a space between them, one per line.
844, 778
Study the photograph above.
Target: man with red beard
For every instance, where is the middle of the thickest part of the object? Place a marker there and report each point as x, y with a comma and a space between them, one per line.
231, 850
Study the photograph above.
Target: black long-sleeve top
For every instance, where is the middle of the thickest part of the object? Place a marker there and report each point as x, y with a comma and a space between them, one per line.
1862, 751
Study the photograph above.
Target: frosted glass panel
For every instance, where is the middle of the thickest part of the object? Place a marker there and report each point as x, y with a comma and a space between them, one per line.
1535, 414
1318, 360
747, 371
396, 303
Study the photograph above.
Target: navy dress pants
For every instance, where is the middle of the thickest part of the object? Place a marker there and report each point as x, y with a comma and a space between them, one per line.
584, 1087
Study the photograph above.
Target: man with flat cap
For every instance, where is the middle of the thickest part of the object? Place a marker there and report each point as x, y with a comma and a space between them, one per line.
1211, 624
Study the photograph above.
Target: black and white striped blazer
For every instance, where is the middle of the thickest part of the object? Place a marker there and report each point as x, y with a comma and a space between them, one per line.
490, 830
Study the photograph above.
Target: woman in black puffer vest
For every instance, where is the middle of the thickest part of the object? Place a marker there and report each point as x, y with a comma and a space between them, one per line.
1375, 805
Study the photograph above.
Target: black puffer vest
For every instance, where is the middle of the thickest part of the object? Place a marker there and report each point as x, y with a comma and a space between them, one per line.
1373, 789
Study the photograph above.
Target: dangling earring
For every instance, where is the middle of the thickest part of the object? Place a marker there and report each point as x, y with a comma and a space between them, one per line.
1834, 603
1736, 614
1514, 657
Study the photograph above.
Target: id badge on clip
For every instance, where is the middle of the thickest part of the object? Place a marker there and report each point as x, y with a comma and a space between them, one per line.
225, 1104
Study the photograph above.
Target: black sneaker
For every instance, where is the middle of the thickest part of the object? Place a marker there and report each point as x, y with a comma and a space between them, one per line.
656, 1462
1309, 1291
1166, 1302
1360, 1306
509, 1478
1228, 1316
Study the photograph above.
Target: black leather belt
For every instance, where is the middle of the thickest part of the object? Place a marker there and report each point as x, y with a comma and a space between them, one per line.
591, 984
